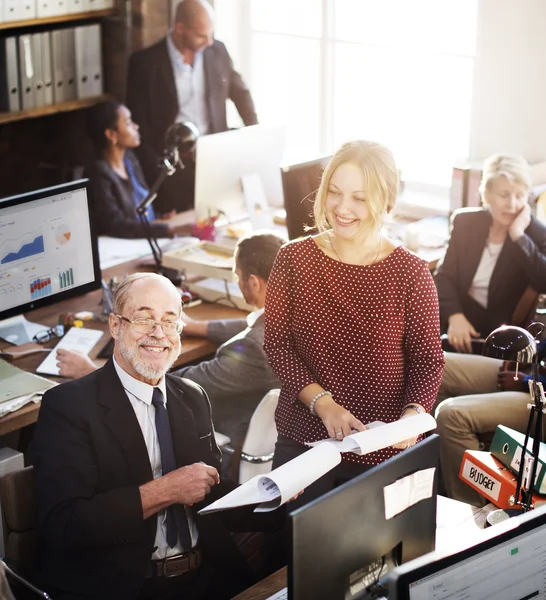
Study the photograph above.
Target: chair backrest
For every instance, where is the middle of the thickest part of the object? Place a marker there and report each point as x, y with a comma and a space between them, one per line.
18, 502
525, 310
260, 439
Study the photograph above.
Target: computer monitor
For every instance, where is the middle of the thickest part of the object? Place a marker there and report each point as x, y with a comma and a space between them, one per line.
224, 160
343, 542
509, 563
48, 252
300, 183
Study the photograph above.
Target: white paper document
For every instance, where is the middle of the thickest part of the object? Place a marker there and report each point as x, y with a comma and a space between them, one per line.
407, 491
388, 434
277, 487
78, 339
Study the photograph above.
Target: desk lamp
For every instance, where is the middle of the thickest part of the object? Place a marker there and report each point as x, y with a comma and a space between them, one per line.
180, 139
513, 343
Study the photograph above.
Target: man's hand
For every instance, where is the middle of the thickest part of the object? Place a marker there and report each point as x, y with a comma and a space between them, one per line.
460, 333
508, 382
74, 364
192, 483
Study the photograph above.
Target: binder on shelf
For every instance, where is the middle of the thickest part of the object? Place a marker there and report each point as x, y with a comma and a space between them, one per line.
26, 72
88, 61
41, 50
69, 69
506, 447
46, 8
10, 98
489, 477
13, 10
28, 9
76, 6
57, 62
1, 11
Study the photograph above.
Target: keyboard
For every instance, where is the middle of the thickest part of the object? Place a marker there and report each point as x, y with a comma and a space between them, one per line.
280, 595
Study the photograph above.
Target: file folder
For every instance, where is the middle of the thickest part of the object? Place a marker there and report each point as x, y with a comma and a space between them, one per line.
88, 61
10, 99
77, 6
28, 9
13, 10
489, 477
26, 72
507, 445
69, 69
41, 50
46, 8
57, 62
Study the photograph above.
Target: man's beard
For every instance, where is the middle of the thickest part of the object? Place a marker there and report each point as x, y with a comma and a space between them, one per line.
130, 353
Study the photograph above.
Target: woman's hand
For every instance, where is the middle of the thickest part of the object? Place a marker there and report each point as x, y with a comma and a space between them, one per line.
338, 421
460, 333
405, 444
520, 223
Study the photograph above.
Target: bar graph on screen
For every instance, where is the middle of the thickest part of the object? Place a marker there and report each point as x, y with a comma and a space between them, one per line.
66, 279
40, 287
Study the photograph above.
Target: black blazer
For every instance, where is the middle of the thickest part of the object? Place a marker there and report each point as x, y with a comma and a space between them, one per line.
152, 98
113, 206
90, 459
520, 264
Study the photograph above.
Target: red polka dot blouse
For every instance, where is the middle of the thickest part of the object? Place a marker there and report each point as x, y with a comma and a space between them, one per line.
368, 334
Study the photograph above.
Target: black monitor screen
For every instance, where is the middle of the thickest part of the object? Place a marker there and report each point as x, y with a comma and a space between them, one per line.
300, 183
346, 541
47, 248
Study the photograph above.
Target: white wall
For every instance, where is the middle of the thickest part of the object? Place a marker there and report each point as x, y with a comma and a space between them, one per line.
510, 86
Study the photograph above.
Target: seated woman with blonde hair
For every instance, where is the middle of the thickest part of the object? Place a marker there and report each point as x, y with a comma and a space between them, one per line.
351, 319
494, 253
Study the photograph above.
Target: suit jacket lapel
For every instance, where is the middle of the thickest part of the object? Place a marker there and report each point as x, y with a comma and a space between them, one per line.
120, 418
183, 427
166, 72
211, 78
475, 249
503, 269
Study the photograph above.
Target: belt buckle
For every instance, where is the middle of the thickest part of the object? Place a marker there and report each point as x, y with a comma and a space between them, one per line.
178, 559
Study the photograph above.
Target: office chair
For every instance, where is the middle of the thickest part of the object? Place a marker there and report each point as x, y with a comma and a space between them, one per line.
18, 502
255, 455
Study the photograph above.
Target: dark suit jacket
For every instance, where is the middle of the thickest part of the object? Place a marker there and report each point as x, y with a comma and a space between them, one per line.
112, 200
90, 459
152, 99
520, 264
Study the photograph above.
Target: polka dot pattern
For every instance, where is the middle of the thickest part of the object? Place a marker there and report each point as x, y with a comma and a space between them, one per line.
368, 334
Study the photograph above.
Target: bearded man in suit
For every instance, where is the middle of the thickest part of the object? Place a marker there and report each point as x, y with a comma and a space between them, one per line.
122, 458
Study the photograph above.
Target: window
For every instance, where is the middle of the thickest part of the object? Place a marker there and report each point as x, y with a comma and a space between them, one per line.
394, 71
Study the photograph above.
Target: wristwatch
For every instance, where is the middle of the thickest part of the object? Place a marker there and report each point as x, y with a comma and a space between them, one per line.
415, 407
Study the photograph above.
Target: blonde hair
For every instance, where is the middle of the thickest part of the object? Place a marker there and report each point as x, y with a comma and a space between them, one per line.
380, 175
123, 291
515, 168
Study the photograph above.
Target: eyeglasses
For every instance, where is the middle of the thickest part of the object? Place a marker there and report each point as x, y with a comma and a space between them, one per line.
148, 326
48, 334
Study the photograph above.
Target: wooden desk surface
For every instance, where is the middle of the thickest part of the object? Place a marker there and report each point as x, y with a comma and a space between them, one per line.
192, 348
265, 588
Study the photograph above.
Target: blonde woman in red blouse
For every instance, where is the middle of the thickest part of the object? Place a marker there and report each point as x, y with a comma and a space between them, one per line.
351, 319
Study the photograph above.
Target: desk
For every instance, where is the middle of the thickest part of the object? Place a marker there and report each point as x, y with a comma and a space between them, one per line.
192, 348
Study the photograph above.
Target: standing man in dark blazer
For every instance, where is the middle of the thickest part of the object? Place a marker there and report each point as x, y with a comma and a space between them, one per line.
188, 76
123, 457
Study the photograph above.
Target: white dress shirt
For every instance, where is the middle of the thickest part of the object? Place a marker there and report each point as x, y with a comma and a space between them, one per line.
479, 289
140, 397
254, 316
190, 88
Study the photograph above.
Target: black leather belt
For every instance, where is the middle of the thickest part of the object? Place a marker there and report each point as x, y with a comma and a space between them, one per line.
173, 566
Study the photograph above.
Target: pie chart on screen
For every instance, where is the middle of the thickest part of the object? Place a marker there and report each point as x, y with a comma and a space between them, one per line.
62, 234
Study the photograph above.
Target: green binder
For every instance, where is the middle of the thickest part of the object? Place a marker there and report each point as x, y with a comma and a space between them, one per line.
507, 445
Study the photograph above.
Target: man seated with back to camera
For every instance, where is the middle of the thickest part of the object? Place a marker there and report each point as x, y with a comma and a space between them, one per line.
479, 393
116, 182
187, 76
239, 375
123, 459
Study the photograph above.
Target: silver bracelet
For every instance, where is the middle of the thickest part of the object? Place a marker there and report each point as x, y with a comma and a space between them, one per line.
315, 398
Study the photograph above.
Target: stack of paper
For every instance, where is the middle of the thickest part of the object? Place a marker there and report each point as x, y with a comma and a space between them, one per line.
277, 487
19, 388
